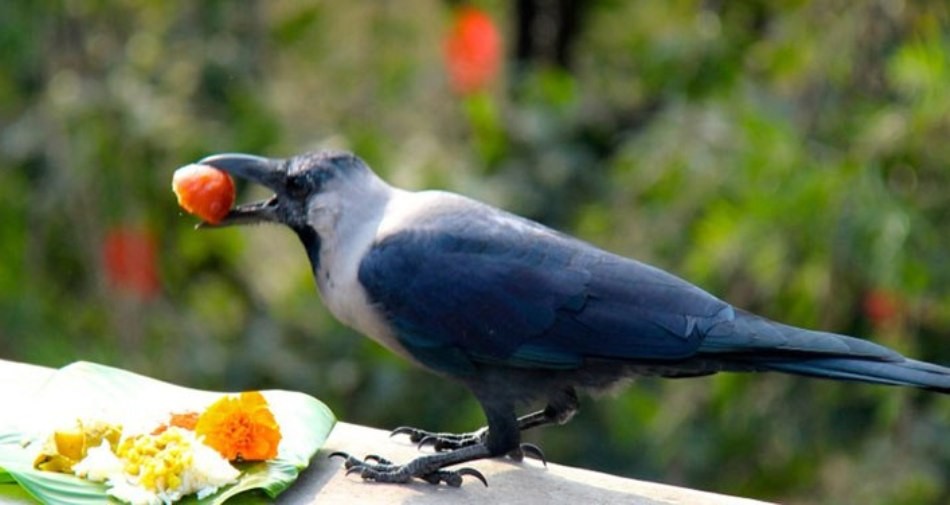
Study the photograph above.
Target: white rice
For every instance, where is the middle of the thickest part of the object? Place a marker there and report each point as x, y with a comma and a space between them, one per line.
204, 472
99, 464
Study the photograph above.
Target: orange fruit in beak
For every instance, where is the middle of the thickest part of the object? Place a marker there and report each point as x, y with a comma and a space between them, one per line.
204, 191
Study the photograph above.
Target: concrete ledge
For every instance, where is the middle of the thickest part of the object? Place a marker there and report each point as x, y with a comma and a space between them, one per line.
324, 481
527, 483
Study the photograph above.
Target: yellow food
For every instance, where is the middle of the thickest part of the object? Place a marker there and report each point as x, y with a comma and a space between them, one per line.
157, 461
158, 469
65, 447
186, 455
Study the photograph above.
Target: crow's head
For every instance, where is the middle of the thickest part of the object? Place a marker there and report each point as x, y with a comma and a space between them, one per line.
310, 190
319, 195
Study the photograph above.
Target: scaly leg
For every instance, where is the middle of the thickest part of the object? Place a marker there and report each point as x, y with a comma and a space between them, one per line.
559, 410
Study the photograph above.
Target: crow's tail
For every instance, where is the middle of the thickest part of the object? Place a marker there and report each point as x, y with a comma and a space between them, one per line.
753, 342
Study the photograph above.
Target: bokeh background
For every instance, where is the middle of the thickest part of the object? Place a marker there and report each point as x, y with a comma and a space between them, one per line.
791, 156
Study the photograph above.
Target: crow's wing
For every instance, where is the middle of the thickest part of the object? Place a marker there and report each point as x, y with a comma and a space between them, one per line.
481, 285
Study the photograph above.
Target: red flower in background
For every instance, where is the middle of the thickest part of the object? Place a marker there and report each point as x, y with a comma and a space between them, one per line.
129, 257
472, 50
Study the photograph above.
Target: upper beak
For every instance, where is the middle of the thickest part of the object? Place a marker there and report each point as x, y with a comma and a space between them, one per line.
264, 171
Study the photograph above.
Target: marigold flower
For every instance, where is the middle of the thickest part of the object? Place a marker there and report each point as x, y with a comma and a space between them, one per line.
241, 428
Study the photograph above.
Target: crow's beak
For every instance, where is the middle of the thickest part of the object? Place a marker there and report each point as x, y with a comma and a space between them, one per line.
270, 173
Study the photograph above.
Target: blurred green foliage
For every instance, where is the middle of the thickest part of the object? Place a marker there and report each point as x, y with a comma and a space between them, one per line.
791, 157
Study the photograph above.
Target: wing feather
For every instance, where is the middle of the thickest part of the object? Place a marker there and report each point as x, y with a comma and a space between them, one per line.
495, 288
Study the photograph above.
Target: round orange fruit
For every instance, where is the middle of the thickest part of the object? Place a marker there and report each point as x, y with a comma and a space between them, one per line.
204, 191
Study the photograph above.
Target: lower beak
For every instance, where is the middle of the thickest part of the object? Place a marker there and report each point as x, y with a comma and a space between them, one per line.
267, 172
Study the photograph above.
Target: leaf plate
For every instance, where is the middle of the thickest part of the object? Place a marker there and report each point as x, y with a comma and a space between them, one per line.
88, 390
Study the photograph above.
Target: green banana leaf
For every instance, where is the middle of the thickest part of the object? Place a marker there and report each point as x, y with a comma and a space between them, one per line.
87, 390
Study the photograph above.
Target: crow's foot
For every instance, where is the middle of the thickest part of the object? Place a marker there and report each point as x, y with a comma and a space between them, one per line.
441, 441
378, 469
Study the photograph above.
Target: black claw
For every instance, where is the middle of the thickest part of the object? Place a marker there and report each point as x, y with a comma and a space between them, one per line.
426, 440
529, 450
405, 430
534, 452
354, 469
379, 459
472, 472
348, 461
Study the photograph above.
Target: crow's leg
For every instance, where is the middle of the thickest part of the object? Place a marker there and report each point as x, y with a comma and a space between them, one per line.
502, 437
560, 409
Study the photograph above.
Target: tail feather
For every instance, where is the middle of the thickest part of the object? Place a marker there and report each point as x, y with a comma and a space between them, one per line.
766, 345
894, 373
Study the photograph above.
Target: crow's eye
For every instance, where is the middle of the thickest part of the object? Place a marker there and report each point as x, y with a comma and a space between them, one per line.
297, 187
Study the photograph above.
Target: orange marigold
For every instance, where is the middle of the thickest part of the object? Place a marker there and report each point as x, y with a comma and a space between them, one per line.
241, 428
